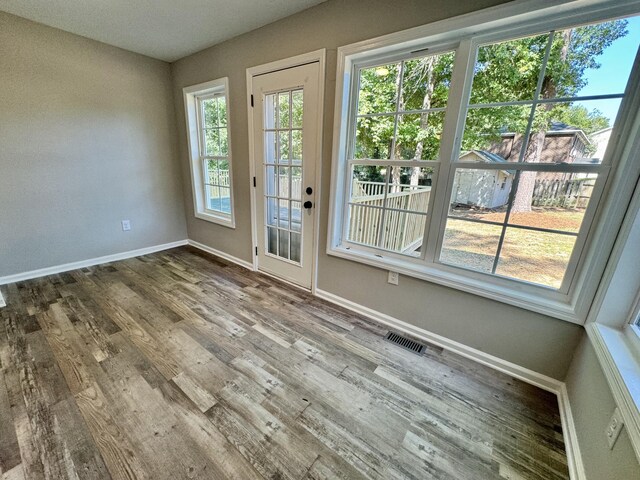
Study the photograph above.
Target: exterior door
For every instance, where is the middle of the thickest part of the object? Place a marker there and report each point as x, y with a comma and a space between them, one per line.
286, 144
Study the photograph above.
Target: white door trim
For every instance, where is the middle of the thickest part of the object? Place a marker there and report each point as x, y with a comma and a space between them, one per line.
315, 56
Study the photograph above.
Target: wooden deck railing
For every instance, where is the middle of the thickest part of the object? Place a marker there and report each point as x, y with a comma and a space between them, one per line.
403, 228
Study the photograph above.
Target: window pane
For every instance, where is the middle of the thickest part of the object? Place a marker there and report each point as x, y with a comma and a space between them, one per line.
223, 173
283, 213
212, 142
364, 224
270, 147
378, 89
283, 144
374, 137
224, 200
555, 201
224, 142
419, 136
296, 246
571, 132
271, 111
470, 244
368, 181
283, 243
210, 108
272, 240
409, 189
296, 109
403, 232
592, 59
283, 182
537, 257
481, 194
296, 216
222, 111
283, 110
213, 194
508, 71
270, 180
494, 134
211, 175
296, 183
426, 82
272, 211
296, 146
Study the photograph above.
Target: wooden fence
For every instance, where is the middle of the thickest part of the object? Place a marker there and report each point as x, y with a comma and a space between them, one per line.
563, 193
403, 227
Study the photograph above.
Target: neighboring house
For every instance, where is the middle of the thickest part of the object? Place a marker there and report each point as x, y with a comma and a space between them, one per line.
482, 188
600, 139
562, 144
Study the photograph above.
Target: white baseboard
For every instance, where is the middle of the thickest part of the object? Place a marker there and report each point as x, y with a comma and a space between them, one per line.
218, 253
529, 376
43, 272
574, 458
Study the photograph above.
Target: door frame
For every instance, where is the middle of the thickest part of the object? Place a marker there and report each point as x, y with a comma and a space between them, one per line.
291, 62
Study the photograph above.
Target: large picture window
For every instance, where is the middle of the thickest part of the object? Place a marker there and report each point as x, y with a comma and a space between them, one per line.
208, 134
488, 155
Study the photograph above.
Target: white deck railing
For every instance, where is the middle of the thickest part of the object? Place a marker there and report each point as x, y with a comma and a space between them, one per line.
403, 230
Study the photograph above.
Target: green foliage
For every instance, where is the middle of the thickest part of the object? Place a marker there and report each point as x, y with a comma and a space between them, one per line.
417, 133
504, 72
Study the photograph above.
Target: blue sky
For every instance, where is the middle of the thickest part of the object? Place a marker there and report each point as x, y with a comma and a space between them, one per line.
612, 76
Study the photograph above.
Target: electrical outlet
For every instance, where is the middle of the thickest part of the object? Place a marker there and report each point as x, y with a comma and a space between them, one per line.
126, 225
613, 429
393, 278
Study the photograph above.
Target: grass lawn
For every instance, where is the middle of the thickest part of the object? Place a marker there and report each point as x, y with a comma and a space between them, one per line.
537, 257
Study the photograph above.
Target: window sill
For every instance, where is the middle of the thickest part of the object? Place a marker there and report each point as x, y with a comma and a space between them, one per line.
225, 221
477, 284
620, 362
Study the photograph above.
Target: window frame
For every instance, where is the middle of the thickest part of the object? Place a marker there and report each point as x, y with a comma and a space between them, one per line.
193, 98
572, 301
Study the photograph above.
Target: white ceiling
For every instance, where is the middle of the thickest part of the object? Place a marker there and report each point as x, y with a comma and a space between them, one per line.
163, 29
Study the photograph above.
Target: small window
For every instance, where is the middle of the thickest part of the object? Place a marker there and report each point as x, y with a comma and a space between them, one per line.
210, 151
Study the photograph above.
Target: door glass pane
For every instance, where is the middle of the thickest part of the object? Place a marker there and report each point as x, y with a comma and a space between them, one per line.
283, 243
272, 211
283, 184
296, 109
272, 240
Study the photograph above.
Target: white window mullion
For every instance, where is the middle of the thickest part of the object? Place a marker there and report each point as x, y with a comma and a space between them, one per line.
459, 92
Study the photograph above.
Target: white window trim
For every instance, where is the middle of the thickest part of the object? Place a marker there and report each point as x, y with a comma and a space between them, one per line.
191, 95
610, 325
519, 18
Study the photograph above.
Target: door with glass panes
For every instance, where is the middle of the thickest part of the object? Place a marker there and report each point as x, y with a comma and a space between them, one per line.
285, 141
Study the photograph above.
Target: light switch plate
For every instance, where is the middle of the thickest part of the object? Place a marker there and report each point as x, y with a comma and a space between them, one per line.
126, 225
613, 429
393, 278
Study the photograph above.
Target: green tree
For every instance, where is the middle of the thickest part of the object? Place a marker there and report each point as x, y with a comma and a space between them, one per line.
509, 71
504, 72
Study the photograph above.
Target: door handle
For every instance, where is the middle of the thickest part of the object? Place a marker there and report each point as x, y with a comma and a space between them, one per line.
309, 190
307, 204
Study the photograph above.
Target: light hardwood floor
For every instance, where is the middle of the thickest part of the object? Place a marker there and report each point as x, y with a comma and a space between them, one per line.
179, 365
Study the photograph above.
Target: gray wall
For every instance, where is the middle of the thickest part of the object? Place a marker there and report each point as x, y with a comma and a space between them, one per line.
528, 339
592, 405
87, 138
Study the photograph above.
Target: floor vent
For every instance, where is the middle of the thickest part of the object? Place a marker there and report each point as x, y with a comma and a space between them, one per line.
410, 345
